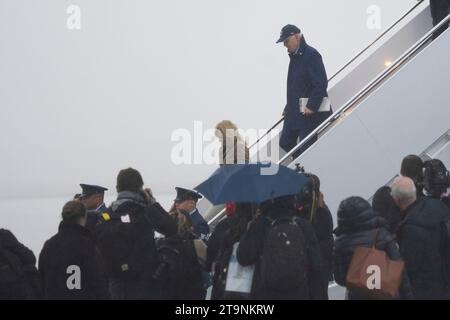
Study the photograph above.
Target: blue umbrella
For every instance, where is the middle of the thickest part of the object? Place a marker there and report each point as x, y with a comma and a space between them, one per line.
254, 183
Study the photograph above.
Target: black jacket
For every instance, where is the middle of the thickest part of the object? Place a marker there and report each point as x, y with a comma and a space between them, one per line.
384, 205
180, 276
73, 245
146, 218
420, 236
446, 201
19, 277
220, 249
251, 247
216, 239
439, 10
357, 225
322, 223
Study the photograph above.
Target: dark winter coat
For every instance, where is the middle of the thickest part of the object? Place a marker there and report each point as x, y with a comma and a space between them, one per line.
307, 78
226, 234
94, 217
439, 10
384, 205
19, 278
73, 245
357, 226
251, 249
180, 276
322, 223
216, 239
201, 227
421, 236
146, 218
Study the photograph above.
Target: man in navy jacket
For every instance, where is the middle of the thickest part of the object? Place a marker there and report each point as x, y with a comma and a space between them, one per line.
307, 78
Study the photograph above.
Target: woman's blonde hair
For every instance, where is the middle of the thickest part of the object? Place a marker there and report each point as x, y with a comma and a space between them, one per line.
225, 127
183, 221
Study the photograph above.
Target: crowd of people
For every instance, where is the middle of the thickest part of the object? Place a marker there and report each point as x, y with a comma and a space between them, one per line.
284, 248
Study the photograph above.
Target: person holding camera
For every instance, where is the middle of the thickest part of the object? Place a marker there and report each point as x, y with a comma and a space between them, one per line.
126, 238
436, 180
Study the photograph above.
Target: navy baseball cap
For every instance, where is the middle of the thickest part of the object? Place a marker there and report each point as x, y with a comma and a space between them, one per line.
287, 31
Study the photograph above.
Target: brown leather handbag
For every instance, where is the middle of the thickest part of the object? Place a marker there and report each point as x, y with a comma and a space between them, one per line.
373, 274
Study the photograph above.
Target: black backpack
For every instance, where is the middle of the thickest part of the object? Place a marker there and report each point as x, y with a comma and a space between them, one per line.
179, 272
284, 261
121, 243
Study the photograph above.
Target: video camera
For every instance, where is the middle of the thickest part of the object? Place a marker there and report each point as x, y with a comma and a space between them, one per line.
436, 178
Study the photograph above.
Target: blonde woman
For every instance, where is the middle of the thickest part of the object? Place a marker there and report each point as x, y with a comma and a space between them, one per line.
233, 148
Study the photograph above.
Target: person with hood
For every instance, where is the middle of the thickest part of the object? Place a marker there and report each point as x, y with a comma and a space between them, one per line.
307, 78
423, 237
285, 252
19, 278
357, 226
126, 237
182, 258
70, 263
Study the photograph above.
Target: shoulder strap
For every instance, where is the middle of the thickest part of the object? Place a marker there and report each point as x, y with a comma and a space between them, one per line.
375, 237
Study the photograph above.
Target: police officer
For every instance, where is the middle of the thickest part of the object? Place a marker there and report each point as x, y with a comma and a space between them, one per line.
187, 200
93, 198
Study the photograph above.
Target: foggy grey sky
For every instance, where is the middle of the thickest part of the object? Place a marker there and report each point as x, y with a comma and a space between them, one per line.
78, 105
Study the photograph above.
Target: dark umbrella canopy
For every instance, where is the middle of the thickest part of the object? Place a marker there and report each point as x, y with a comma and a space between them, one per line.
254, 183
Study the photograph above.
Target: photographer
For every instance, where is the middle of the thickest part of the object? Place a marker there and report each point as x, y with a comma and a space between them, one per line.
126, 238
436, 180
